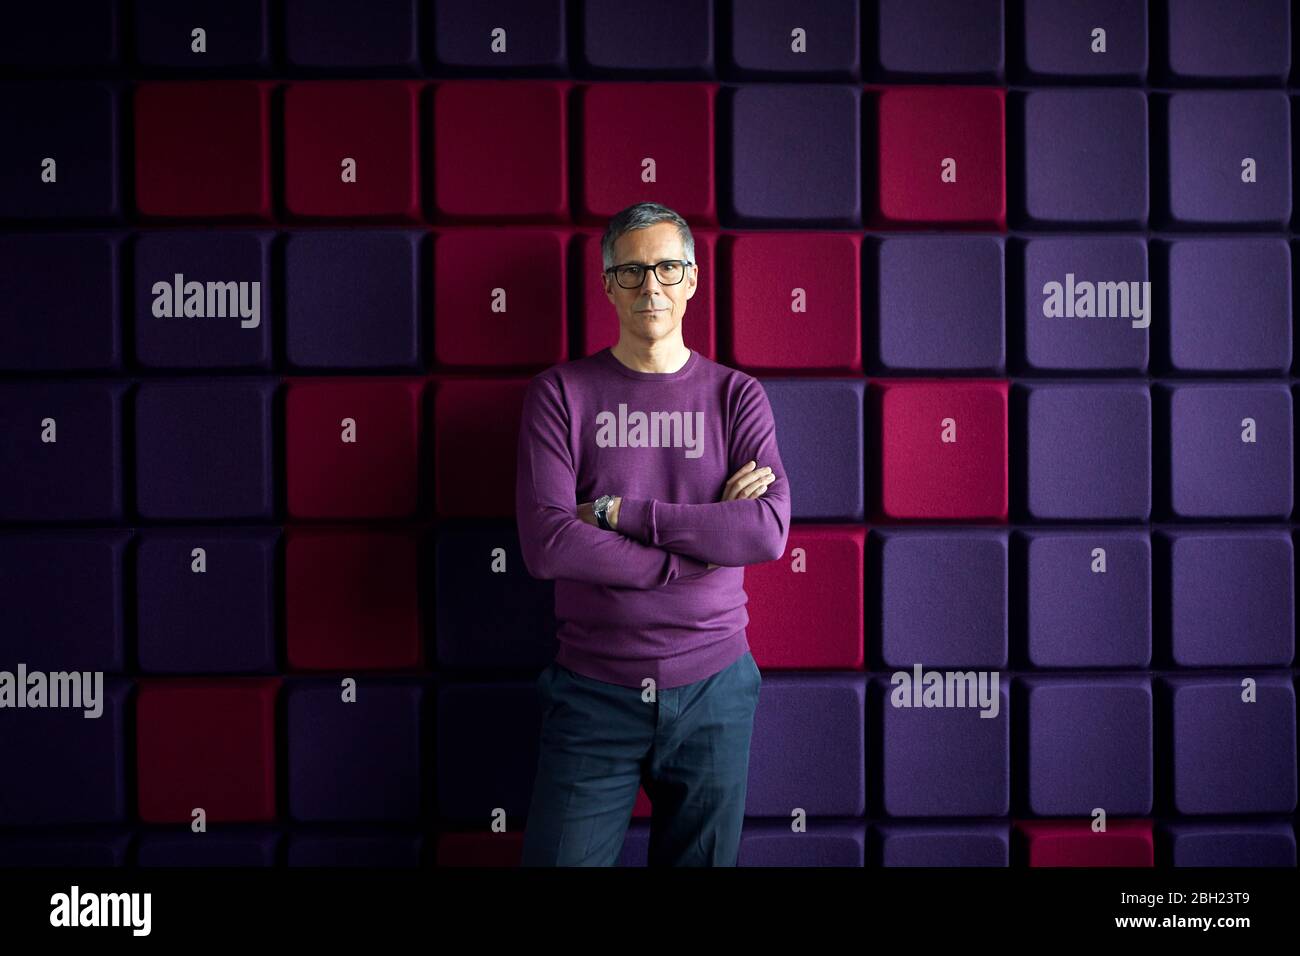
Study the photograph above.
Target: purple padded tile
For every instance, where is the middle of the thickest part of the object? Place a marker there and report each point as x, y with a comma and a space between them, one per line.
636, 846
1087, 451
935, 844
1227, 755
1056, 336
356, 846
761, 41
1262, 843
672, 39
61, 302
947, 39
948, 761
1060, 39
1211, 136
84, 628
535, 36
1210, 41
227, 337
487, 746
77, 33
821, 427
67, 767
357, 760
941, 304
943, 597
69, 468
771, 843
238, 33
75, 123
485, 617
1088, 597
352, 299
236, 845
1089, 742
329, 33
218, 620
93, 846
1233, 597
809, 746
204, 449
824, 843
769, 182
1085, 158
1214, 471
1230, 305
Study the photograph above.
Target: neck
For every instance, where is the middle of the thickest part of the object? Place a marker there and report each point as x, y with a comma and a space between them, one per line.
664, 356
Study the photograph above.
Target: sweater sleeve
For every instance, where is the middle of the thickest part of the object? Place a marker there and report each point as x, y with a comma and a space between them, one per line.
731, 533
555, 542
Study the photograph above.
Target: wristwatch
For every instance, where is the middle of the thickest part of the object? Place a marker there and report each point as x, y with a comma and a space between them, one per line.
601, 508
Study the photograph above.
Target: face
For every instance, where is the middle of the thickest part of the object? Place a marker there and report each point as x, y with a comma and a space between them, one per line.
654, 311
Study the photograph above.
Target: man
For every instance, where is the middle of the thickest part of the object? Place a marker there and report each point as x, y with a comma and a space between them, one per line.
648, 478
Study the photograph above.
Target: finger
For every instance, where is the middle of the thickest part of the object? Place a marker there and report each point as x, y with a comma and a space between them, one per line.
753, 478
740, 473
759, 487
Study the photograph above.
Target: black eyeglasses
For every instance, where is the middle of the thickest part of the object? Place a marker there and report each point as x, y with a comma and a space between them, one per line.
668, 272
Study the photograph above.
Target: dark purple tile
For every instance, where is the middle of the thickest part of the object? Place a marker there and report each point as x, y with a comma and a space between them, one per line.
1212, 41
62, 307
940, 39
762, 43
329, 33
1230, 450
1089, 743
1086, 158
1075, 323
1061, 39
1233, 598
1229, 755
943, 597
352, 299
375, 739
1230, 305
924, 844
204, 449
1229, 158
1087, 451
944, 761
784, 772
64, 444
1089, 598
226, 277
85, 627
767, 183
821, 429
74, 123
941, 304
217, 617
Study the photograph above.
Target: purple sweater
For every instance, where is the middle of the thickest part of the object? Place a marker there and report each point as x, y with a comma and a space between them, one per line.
639, 601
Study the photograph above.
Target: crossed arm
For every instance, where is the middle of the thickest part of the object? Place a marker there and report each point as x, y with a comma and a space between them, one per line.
654, 541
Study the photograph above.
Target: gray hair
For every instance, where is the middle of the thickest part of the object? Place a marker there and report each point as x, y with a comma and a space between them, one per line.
640, 216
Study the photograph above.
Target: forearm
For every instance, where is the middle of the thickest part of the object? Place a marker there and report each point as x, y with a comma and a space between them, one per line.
731, 533
556, 544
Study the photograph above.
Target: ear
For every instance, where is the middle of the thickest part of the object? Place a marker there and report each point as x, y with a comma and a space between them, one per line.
692, 279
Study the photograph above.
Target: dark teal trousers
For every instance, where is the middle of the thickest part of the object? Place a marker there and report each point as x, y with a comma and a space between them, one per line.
601, 741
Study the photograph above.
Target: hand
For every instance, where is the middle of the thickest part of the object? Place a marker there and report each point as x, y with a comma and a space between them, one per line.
587, 512
748, 482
